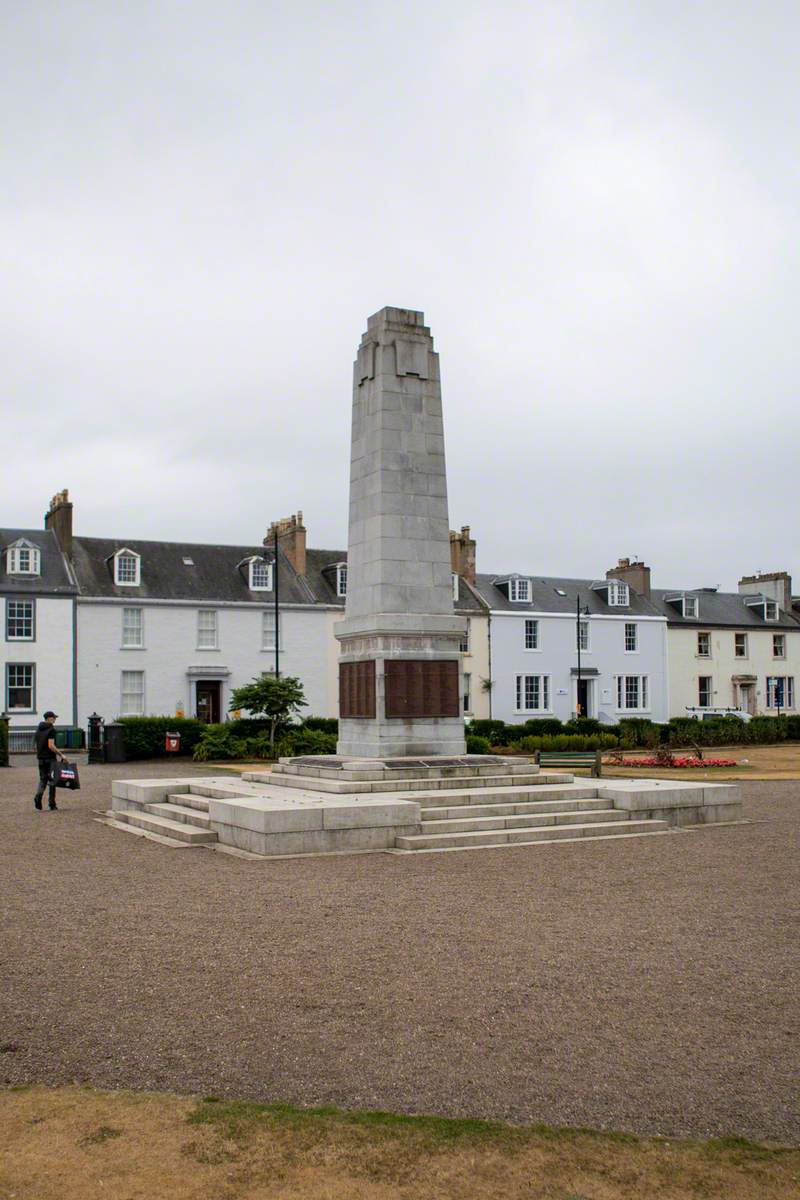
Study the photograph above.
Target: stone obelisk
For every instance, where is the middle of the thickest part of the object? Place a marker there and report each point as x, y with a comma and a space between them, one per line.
400, 684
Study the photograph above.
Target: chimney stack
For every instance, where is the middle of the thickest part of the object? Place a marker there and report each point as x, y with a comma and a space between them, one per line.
59, 519
462, 554
635, 574
777, 585
291, 540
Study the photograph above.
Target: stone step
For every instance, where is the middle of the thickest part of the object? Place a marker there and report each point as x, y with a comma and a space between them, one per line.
189, 800
530, 833
179, 812
353, 787
507, 795
432, 816
524, 821
177, 830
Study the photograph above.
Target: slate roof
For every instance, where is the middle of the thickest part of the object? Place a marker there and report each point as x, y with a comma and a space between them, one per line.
719, 608
164, 575
545, 597
54, 578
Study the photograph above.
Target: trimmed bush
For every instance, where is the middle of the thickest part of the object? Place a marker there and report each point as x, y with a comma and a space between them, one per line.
495, 731
583, 725
145, 736
640, 731
324, 724
566, 741
793, 728
3, 743
478, 745
303, 740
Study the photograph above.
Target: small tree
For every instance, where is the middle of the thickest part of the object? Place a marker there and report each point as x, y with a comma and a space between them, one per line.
277, 699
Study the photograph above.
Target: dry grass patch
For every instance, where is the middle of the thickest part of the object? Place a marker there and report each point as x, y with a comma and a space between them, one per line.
78, 1144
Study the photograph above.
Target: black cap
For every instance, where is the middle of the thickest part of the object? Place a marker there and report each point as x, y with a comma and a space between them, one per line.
49, 713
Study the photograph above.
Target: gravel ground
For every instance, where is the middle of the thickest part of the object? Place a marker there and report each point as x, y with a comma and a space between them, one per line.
647, 984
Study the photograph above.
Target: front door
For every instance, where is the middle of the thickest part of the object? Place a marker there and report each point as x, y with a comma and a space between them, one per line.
583, 691
208, 705
747, 698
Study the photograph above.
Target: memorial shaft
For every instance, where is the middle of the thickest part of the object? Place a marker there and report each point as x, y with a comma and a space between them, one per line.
400, 665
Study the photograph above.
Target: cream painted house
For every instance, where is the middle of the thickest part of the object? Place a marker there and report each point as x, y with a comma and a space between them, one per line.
733, 649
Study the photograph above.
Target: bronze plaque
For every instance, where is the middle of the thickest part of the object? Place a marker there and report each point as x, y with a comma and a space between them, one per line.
422, 687
357, 689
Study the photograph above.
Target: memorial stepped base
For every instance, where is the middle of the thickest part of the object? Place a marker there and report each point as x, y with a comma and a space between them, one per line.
321, 805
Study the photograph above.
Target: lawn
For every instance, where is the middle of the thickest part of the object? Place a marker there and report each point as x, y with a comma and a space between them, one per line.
78, 1144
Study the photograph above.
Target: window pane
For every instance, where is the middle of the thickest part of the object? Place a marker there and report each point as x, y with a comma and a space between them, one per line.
132, 693
630, 637
19, 620
207, 629
583, 635
467, 700
260, 574
126, 568
19, 685
132, 627
531, 635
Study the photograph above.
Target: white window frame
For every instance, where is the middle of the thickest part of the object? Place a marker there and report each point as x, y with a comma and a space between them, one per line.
788, 691
14, 559
268, 629
771, 610
466, 642
125, 643
211, 627
691, 608
258, 564
582, 626
124, 709
628, 638
19, 708
619, 595
519, 591
623, 691
779, 637
538, 688
709, 691
746, 653
127, 555
341, 579
531, 623
467, 692
30, 606
704, 633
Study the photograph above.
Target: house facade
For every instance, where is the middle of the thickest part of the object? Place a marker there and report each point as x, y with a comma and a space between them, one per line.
37, 608
559, 647
733, 649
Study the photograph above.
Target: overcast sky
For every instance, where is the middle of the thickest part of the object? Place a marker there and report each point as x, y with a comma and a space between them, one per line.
595, 204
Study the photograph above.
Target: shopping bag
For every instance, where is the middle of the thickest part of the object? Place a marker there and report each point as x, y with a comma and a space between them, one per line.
65, 775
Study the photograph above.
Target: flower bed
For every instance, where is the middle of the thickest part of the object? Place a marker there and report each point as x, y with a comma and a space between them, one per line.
680, 762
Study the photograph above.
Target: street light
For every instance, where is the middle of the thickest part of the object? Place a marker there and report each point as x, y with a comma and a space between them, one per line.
579, 612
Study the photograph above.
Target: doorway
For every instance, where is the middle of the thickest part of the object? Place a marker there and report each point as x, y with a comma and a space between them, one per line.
747, 698
583, 692
208, 701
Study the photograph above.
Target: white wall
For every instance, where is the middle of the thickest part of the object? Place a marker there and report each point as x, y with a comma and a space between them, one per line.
557, 655
51, 653
686, 666
170, 640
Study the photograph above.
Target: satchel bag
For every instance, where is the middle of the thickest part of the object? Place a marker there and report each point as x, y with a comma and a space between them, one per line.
65, 775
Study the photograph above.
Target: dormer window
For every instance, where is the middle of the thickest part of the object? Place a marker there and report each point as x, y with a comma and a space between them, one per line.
519, 590
686, 605
341, 579
127, 568
23, 558
618, 594
260, 575
768, 608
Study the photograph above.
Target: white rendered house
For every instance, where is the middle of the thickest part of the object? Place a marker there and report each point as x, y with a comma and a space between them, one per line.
607, 661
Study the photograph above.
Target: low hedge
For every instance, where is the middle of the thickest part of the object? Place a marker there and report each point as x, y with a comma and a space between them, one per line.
218, 743
145, 736
3, 743
567, 741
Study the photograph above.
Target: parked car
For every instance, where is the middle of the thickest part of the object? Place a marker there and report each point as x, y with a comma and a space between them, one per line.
713, 714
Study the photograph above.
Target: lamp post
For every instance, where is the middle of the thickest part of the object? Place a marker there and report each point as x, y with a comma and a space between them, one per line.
579, 612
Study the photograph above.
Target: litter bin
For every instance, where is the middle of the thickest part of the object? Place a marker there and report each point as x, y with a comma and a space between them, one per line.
115, 742
172, 743
95, 738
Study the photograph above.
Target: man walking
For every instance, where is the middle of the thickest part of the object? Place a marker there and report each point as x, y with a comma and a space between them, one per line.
47, 754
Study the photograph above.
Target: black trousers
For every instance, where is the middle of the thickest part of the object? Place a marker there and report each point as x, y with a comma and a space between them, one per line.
45, 767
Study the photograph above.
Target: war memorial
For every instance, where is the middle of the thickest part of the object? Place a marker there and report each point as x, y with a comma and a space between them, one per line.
401, 780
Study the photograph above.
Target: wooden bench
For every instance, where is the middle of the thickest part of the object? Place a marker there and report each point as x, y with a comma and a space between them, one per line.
571, 758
